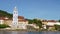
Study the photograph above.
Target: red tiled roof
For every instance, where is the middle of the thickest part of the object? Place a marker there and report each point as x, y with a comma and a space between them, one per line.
49, 21
22, 20
20, 17
52, 21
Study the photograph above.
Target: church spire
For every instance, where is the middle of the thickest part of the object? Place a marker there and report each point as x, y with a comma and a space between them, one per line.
15, 8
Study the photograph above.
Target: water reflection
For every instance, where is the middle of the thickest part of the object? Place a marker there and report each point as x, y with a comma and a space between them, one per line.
34, 33
23, 32
14, 32
50, 32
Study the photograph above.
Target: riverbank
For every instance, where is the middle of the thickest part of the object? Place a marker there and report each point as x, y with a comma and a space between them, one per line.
17, 30
37, 30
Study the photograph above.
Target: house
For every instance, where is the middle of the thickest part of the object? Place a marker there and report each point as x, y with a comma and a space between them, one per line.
22, 22
44, 23
1, 20
52, 23
49, 23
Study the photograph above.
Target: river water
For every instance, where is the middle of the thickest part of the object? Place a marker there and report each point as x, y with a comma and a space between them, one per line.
23, 32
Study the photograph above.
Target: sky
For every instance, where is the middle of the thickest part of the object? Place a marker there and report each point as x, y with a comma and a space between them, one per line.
42, 9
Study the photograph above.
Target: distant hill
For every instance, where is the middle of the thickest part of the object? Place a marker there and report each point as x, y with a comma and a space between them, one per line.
5, 14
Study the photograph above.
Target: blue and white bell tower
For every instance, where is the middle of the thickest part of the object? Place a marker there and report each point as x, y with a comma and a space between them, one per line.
15, 18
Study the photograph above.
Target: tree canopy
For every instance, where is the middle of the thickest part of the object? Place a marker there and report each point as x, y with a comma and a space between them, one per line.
35, 21
58, 20
57, 27
4, 26
5, 14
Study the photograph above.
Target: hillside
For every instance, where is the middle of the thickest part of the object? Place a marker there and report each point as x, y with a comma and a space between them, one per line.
5, 14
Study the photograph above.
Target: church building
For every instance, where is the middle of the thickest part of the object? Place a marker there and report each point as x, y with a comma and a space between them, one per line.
15, 22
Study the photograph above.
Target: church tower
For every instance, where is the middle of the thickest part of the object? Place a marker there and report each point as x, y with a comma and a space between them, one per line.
15, 18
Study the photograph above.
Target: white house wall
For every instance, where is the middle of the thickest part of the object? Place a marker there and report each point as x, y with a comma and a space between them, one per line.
53, 23
1, 21
22, 25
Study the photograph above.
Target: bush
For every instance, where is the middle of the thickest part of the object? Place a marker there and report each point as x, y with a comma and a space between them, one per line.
3, 26
57, 27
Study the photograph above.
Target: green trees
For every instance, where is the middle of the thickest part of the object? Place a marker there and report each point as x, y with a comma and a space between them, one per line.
35, 21
58, 20
5, 14
57, 27
3, 26
30, 21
